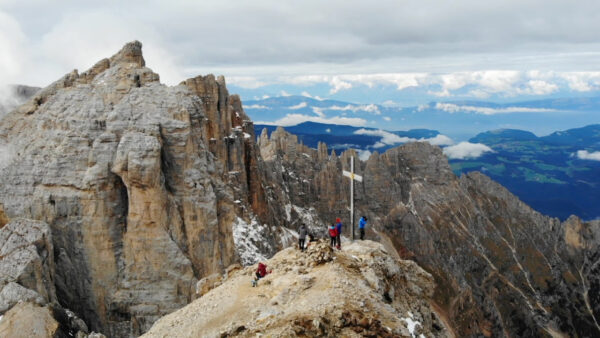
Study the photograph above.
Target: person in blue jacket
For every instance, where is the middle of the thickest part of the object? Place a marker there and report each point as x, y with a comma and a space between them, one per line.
338, 227
362, 223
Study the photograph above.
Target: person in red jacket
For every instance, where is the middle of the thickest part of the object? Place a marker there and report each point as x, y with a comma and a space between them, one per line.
261, 271
338, 228
332, 234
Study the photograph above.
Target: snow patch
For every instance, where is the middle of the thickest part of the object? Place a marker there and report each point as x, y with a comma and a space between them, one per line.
288, 212
288, 237
247, 239
411, 324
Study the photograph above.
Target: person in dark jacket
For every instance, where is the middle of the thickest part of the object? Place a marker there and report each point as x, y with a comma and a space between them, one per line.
362, 223
338, 228
332, 234
302, 237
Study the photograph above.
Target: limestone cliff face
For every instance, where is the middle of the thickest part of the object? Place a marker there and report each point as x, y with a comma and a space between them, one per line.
139, 182
500, 267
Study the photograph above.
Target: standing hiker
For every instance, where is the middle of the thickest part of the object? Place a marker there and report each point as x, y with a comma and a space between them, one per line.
302, 237
338, 228
362, 223
332, 234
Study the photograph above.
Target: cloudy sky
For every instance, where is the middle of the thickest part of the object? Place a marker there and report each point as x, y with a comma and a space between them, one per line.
502, 50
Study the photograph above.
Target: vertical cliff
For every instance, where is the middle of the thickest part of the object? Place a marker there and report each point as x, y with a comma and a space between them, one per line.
140, 184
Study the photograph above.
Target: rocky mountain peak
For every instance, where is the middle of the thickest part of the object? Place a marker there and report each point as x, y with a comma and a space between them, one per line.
131, 53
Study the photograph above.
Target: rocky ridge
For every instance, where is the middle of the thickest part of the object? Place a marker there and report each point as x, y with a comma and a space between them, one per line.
362, 291
501, 268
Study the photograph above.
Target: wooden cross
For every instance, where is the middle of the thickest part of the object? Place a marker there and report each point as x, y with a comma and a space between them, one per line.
352, 177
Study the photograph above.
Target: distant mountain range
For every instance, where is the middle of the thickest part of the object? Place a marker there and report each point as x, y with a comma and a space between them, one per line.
558, 174
459, 120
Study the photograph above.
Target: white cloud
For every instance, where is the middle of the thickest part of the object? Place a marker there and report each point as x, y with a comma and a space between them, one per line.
454, 108
13, 55
256, 106
364, 155
284, 93
298, 106
337, 84
540, 87
294, 119
438, 140
582, 81
370, 108
465, 150
387, 118
585, 155
388, 138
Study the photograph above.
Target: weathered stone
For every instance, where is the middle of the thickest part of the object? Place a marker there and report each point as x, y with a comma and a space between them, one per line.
27, 320
26, 263
139, 201
12, 293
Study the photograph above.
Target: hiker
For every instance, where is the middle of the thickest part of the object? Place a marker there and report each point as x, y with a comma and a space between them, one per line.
332, 234
362, 223
338, 227
302, 236
261, 272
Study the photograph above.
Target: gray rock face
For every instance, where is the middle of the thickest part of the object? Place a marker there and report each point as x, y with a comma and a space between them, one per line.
139, 182
26, 264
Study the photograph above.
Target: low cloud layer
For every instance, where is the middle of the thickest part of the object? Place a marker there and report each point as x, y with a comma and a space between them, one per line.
391, 139
294, 119
454, 108
586, 155
465, 150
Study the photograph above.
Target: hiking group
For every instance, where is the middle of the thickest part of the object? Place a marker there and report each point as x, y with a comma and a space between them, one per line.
335, 236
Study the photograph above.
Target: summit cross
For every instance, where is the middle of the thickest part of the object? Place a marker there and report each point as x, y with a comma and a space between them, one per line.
352, 177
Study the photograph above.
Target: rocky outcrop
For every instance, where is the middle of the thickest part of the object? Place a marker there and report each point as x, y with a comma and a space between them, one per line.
361, 291
139, 198
26, 264
27, 320
500, 267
